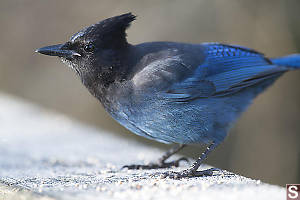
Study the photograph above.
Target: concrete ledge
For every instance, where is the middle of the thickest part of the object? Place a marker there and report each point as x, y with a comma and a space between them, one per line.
48, 156
10, 193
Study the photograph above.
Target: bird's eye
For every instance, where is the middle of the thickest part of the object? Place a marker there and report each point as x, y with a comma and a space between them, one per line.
89, 47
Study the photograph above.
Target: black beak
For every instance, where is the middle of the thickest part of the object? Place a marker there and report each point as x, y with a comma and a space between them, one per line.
57, 50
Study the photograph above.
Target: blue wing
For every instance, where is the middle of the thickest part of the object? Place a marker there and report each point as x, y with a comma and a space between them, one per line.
227, 69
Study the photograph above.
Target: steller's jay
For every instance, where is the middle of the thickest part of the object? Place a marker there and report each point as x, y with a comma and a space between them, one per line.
167, 91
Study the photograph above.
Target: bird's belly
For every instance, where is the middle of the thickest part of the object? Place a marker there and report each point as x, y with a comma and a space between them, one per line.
171, 122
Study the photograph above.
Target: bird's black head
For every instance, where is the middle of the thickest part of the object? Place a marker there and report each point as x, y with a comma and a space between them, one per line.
95, 51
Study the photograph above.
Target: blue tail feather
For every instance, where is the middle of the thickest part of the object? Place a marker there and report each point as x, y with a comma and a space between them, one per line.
291, 61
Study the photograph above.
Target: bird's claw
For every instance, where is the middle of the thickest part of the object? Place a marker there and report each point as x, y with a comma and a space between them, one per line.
158, 165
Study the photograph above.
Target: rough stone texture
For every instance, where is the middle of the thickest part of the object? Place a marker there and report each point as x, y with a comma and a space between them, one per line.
48, 156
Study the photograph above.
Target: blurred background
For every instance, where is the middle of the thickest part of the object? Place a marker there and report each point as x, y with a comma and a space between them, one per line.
264, 144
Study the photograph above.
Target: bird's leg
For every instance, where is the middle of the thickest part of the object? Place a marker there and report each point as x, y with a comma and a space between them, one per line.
192, 171
161, 161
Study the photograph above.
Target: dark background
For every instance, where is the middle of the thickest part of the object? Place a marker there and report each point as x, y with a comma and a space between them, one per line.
265, 142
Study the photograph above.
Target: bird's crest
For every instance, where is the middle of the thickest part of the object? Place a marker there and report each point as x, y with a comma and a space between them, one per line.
108, 31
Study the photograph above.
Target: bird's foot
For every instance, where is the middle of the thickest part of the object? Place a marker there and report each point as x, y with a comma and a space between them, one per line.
188, 173
158, 165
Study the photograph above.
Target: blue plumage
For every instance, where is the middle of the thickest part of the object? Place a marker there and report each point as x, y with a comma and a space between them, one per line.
179, 98
228, 69
290, 61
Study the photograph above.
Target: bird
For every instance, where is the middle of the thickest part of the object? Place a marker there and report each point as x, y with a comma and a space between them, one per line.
171, 92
